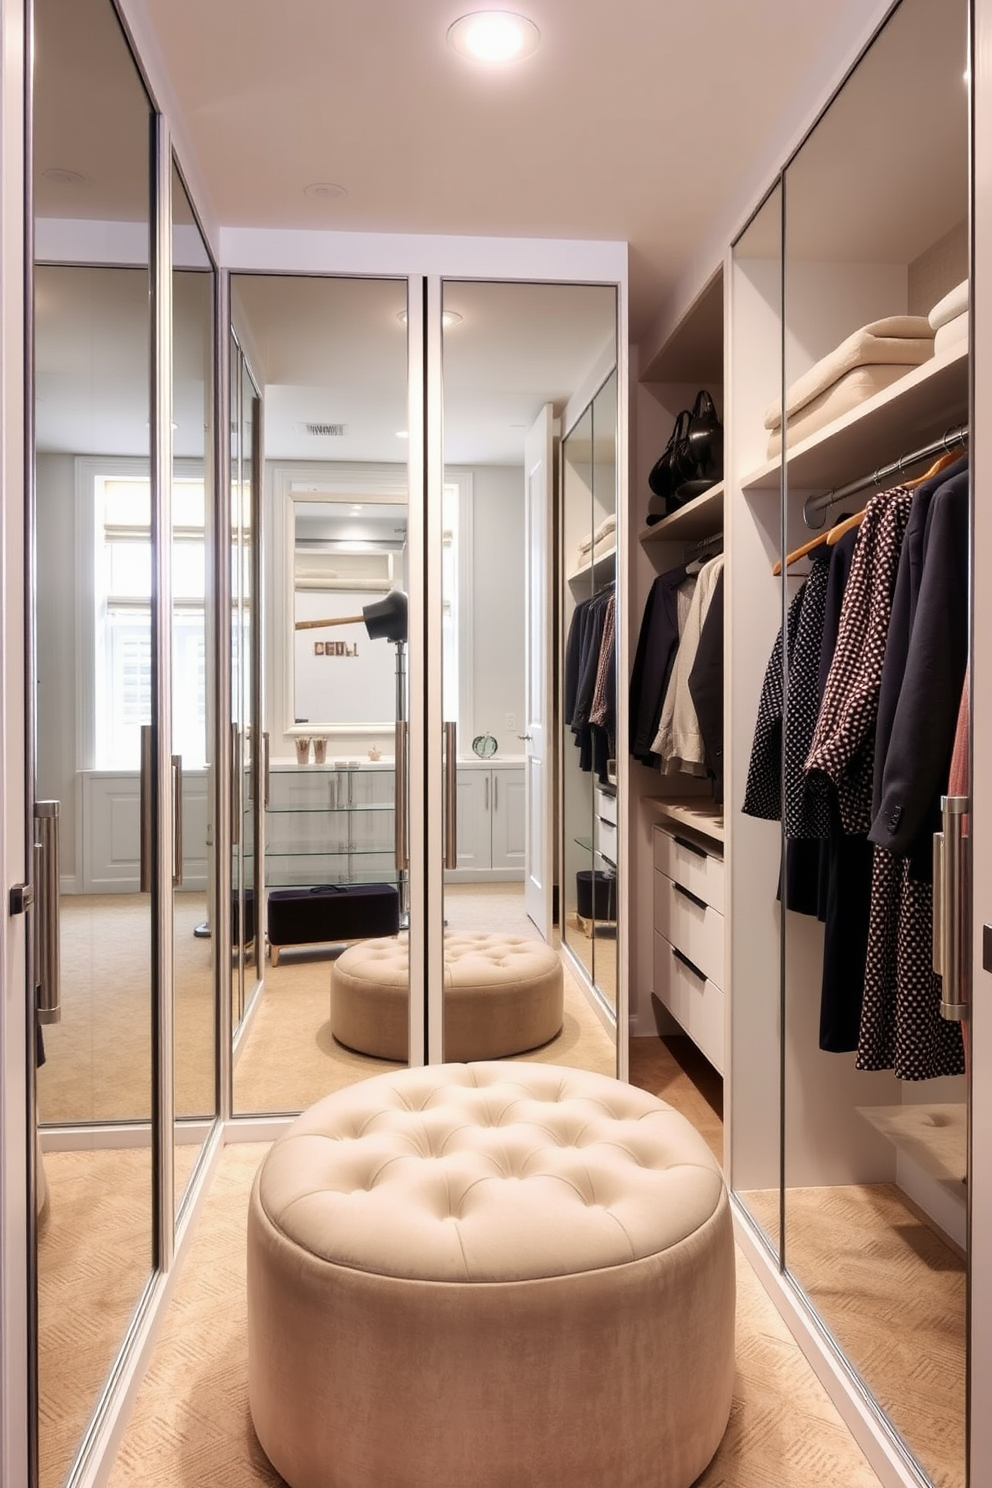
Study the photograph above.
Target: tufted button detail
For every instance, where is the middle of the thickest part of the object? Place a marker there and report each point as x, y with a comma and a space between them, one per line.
545, 1172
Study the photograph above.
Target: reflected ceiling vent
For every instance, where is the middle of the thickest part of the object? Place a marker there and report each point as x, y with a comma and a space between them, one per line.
331, 431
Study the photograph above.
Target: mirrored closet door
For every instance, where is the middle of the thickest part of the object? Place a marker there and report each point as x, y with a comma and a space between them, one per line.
858, 436
514, 358
194, 694
93, 644
323, 863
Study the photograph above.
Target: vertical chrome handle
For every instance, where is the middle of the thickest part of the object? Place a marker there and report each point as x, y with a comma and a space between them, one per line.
48, 968
402, 852
450, 795
495, 792
177, 821
265, 770
486, 806
235, 785
955, 912
146, 811
938, 904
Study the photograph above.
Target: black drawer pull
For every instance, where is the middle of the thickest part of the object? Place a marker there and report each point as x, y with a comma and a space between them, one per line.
693, 898
688, 965
692, 847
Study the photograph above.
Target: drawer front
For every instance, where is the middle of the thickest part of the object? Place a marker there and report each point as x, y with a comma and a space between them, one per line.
606, 840
691, 926
695, 1001
606, 806
690, 865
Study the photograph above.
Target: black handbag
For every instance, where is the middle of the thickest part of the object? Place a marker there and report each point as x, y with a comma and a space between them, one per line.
692, 460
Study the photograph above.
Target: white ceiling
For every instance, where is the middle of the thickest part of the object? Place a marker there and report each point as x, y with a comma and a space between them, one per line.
636, 120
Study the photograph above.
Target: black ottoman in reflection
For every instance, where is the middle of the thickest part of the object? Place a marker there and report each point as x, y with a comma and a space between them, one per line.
331, 912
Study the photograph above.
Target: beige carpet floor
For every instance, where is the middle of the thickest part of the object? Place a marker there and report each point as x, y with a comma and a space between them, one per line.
290, 1058
98, 1064
94, 1258
191, 1426
894, 1294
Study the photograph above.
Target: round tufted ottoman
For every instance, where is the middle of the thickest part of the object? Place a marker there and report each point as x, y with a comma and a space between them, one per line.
490, 1276
502, 995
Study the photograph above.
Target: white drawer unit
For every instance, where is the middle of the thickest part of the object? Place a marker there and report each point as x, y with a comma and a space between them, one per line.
690, 864
693, 999
689, 924
606, 826
689, 936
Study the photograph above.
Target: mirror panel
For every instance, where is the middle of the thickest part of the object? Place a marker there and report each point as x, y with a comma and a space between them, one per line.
194, 695
875, 1102
514, 355
756, 612
331, 505
92, 599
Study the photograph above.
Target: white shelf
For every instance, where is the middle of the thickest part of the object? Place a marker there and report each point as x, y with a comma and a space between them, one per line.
599, 568
921, 406
703, 816
699, 518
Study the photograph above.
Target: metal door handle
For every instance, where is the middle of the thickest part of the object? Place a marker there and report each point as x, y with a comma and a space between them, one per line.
235, 785
48, 970
265, 770
450, 795
495, 792
177, 821
523, 736
689, 965
402, 845
952, 911
486, 782
145, 811
691, 847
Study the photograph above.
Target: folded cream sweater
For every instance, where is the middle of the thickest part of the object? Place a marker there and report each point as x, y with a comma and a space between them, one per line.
905, 340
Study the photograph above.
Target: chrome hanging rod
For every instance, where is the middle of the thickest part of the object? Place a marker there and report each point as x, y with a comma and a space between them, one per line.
703, 543
816, 507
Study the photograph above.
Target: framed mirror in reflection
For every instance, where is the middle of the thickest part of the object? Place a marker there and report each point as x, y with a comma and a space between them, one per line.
345, 552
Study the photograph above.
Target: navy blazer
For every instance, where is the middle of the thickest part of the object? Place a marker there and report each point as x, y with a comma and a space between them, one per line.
917, 759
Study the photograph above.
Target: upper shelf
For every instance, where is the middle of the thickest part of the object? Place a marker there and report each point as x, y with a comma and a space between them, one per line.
921, 406
605, 564
699, 518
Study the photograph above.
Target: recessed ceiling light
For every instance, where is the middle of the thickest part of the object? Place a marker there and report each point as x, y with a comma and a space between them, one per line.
355, 510
324, 190
63, 177
402, 434
449, 318
494, 36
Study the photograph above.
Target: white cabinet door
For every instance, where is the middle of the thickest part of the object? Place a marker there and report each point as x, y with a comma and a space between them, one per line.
509, 817
474, 807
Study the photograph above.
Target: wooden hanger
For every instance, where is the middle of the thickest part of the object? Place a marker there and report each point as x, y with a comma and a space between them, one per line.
797, 553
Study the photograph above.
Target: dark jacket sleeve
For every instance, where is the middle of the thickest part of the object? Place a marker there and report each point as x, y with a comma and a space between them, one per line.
919, 754
706, 686
656, 648
904, 604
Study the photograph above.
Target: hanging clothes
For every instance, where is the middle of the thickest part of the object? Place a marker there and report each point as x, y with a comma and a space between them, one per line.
588, 656
706, 688
901, 1026
678, 742
603, 714
657, 644
843, 747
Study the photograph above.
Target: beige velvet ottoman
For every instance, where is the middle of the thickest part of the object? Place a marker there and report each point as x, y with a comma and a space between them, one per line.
502, 995
490, 1276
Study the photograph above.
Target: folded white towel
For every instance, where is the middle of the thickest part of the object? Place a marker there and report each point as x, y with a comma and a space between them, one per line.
608, 524
585, 543
905, 340
953, 333
950, 307
854, 388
